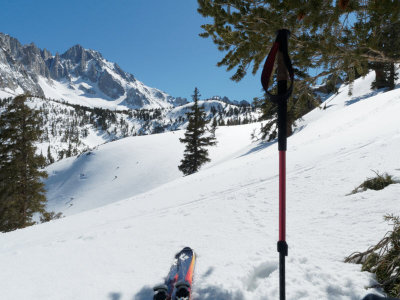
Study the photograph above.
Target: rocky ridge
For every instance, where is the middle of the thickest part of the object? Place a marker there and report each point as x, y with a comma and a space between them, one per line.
84, 71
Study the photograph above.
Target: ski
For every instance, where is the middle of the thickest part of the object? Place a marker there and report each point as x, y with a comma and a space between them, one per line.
178, 283
183, 286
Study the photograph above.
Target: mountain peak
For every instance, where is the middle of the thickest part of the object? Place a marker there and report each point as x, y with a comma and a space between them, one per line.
88, 75
75, 53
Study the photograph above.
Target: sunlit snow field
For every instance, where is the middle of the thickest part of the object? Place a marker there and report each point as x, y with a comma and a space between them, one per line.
128, 210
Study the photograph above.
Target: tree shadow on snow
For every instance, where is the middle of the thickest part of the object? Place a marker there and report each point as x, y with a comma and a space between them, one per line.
259, 147
115, 296
146, 293
208, 272
358, 99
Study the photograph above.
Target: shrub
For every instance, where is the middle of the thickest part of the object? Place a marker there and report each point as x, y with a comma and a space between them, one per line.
383, 259
375, 183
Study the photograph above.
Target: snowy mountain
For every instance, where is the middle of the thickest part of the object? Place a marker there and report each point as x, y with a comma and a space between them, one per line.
128, 211
85, 100
78, 76
70, 129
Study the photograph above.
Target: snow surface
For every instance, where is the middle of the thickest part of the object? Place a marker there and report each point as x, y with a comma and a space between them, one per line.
140, 163
227, 212
70, 92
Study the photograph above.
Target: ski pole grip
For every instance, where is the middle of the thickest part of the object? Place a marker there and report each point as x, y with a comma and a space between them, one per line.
282, 73
281, 70
282, 63
285, 72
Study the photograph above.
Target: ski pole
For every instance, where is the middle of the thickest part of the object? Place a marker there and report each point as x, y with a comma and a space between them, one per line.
284, 72
282, 146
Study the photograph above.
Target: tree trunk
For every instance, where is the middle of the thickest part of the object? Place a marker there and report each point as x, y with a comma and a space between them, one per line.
380, 78
392, 76
289, 129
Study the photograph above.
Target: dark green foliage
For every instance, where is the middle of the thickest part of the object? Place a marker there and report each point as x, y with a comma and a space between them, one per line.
385, 75
301, 102
345, 40
22, 191
379, 182
383, 259
269, 113
245, 30
48, 216
196, 141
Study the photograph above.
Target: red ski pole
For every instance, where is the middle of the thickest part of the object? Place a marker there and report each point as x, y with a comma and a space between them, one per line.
284, 72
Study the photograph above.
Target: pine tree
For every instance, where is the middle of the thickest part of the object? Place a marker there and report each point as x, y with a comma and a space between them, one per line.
214, 125
22, 191
323, 35
298, 105
375, 35
195, 154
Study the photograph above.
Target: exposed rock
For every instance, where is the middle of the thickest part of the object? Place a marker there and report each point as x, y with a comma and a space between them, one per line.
92, 72
9, 44
244, 103
74, 54
57, 70
178, 101
46, 54
126, 76
158, 94
135, 99
110, 86
30, 56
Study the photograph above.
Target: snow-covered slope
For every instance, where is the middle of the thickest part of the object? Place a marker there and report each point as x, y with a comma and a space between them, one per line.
227, 212
127, 167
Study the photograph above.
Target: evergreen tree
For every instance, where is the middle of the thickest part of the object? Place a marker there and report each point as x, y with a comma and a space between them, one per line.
214, 125
22, 191
343, 38
375, 39
298, 105
245, 30
195, 154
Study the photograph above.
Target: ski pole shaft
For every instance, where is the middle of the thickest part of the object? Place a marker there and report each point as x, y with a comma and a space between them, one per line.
282, 245
282, 146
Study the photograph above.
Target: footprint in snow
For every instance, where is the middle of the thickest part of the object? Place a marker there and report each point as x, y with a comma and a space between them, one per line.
262, 271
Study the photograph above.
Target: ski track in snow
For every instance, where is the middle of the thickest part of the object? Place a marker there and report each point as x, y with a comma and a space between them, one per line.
228, 212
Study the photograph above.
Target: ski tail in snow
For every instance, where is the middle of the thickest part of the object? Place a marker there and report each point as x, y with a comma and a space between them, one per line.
178, 283
182, 290
160, 292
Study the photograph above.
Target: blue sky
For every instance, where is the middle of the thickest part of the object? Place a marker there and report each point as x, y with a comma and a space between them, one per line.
155, 40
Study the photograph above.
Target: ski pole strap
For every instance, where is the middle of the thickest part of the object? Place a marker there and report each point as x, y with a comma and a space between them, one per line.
280, 50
